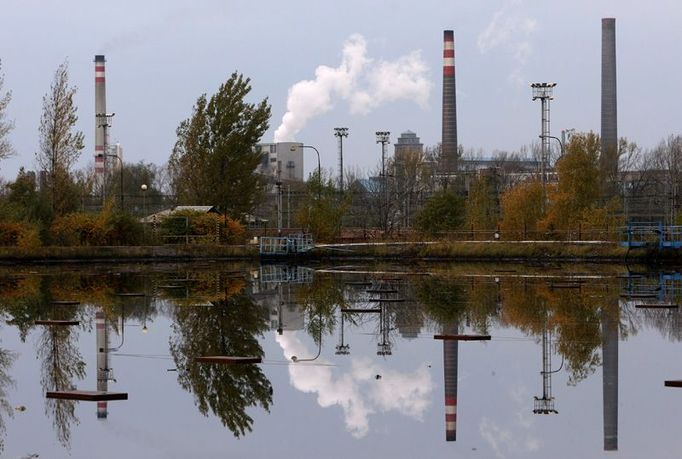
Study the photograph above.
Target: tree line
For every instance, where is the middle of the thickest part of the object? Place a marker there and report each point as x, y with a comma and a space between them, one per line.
214, 161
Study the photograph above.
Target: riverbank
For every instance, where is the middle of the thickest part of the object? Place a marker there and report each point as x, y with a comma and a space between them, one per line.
579, 251
573, 251
120, 254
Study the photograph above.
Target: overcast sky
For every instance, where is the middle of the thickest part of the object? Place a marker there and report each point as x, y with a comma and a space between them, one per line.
383, 68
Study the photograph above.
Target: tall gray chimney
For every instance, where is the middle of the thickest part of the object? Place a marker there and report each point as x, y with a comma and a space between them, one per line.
609, 112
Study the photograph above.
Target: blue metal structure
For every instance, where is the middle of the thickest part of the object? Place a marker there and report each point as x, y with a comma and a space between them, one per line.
652, 235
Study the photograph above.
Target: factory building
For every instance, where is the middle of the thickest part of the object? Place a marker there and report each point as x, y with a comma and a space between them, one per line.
282, 161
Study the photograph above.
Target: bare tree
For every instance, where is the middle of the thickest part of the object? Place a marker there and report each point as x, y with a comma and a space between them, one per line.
666, 161
5, 125
60, 144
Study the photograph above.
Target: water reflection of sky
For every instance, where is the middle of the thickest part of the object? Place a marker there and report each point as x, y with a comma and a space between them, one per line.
336, 407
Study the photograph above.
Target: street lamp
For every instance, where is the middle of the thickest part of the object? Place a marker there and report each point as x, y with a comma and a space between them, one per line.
561, 144
319, 169
319, 347
143, 187
341, 132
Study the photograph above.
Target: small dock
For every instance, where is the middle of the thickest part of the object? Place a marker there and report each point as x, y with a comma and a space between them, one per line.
61, 323
227, 360
361, 310
462, 337
86, 395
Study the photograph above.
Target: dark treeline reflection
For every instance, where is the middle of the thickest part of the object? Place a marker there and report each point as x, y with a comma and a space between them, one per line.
226, 311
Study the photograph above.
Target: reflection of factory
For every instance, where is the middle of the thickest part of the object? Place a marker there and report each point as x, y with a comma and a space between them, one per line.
273, 288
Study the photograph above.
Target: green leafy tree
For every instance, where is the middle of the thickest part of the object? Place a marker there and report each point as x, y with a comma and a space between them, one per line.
60, 144
214, 160
322, 211
24, 202
444, 211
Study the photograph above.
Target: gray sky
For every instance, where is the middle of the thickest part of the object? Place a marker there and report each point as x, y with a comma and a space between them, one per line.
161, 55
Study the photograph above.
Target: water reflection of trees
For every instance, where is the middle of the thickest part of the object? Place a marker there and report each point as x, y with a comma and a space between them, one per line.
228, 327
6, 381
62, 365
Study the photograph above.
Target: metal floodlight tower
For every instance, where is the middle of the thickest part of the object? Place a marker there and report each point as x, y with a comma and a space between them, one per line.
383, 137
341, 132
543, 91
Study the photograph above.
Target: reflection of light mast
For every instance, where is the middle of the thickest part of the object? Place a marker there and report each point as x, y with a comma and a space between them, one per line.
384, 347
342, 348
545, 405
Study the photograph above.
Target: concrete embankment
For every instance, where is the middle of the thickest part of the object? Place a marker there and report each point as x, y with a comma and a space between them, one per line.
116, 254
597, 251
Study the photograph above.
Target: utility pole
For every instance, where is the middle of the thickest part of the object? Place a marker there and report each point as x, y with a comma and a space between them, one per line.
543, 91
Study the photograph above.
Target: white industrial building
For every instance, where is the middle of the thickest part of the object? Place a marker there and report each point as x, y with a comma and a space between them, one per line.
283, 161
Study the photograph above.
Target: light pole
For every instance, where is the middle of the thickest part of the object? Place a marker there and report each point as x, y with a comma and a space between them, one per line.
319, 169
383, 137
341, 132
143, 187
543, 91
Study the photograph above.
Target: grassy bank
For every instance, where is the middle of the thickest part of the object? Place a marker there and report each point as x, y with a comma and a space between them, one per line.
489, 251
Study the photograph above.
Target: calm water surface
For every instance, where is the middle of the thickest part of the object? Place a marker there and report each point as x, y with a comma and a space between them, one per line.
575, 366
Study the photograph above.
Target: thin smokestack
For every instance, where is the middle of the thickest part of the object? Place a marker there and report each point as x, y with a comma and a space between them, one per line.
450, 357
609, 112
449, 136
610, 379
100, 109
102, 361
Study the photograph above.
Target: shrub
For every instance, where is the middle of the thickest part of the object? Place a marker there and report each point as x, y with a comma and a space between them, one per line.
109, 227
201, 228
19, 234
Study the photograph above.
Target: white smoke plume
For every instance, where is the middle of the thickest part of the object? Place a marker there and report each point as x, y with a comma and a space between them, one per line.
511, 30
356, 391
361, 81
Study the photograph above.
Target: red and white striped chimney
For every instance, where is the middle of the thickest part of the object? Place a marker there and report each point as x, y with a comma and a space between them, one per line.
449, 134
100, 110
102, 361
